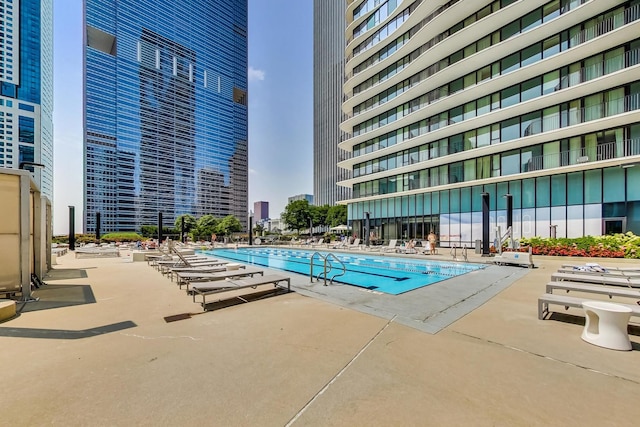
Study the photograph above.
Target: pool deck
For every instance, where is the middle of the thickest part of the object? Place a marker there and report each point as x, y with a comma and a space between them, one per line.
96, 350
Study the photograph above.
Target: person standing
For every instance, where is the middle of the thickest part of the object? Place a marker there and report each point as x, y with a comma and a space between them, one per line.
432, 238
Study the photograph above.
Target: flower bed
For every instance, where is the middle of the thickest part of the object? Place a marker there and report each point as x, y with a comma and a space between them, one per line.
611, 246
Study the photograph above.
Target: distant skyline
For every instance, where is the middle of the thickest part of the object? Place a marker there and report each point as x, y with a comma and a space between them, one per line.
280, 105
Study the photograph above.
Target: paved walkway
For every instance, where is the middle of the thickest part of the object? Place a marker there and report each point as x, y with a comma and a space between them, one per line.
96, 350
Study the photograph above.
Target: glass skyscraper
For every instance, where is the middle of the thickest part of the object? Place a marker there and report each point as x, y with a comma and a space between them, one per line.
536, 99
328, 78
26, 89
165, 125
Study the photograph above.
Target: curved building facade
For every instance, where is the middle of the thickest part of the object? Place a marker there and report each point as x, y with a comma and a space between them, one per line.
535, 99
165, 126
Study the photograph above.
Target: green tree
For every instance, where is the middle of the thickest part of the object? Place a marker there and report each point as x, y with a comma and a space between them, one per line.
229, 224
205, 227
149, 230
337, 215
258, 229
189, 223
319, 215
296, 215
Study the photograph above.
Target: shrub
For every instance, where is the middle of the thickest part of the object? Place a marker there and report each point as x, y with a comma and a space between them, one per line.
625, 245
124, 236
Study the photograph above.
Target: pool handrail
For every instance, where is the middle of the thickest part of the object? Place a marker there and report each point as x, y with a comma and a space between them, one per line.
325, 271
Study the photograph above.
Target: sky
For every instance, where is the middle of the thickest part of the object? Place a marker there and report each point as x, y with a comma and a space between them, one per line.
280, 105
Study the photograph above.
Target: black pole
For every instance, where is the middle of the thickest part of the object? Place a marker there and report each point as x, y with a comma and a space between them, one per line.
509, 210
182, 229
485, 224
250, 231
72, 228
159, 228
98, 226
367, 228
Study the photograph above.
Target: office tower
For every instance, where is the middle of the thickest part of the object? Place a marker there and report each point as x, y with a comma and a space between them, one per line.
328, 78
26, 89
539, 100
307, 197
165, 111
260, 211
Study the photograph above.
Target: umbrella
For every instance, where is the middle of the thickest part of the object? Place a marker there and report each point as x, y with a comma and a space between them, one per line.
340, 227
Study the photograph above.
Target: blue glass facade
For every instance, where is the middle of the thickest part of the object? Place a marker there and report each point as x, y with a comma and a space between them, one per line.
165, 111
26, 76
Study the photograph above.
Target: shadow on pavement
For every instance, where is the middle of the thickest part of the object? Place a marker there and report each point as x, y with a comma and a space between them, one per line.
66, 273
579, 320
62, 334
56, 296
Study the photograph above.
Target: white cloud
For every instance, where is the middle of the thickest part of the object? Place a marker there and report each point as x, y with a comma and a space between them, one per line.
255, 74
253, 172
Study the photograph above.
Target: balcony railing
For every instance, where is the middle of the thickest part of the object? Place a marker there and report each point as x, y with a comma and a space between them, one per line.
607, 25
556, 121
414, 30
602, 151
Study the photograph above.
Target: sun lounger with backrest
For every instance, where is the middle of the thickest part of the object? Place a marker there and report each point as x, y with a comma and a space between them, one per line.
593, 289
591, 265
391, 247
187, 278
207, 289
165, 269
612, 273
593, 278
203, 269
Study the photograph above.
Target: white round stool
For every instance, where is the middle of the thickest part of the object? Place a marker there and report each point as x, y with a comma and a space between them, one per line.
606, 325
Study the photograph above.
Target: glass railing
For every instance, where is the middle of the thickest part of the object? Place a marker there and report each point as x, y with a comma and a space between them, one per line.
590, 72
364, 26
414, 30
582, 75
597, 152
603, 151
556, 121
607, 25
384, 32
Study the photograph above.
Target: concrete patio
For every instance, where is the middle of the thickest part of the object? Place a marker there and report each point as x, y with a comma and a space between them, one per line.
96, 350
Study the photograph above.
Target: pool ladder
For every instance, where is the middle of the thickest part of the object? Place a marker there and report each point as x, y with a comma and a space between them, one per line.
328, 267
454, 253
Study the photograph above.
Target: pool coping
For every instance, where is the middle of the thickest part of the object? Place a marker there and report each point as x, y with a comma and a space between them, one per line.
429, 308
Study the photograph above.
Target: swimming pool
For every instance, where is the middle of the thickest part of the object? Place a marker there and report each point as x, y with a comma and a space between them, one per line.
377, 273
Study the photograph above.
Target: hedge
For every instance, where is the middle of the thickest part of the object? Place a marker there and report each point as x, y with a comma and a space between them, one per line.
620, 245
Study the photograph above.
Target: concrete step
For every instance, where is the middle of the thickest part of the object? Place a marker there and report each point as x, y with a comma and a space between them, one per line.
7, 309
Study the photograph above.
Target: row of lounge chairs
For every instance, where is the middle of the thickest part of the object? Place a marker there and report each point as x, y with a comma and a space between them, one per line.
591, 279
203, 276
393, 246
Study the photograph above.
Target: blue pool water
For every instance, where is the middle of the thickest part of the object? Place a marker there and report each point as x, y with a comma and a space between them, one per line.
378, 273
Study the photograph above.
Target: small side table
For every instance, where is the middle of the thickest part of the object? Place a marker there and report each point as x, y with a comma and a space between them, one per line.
606, 325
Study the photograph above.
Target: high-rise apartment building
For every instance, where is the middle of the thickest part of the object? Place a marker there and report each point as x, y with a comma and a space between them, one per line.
328, 78
26, 89
535, 99
165, 111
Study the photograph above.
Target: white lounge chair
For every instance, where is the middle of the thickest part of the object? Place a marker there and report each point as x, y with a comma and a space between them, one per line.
391, 247
188, 278
632, 282
205, 289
